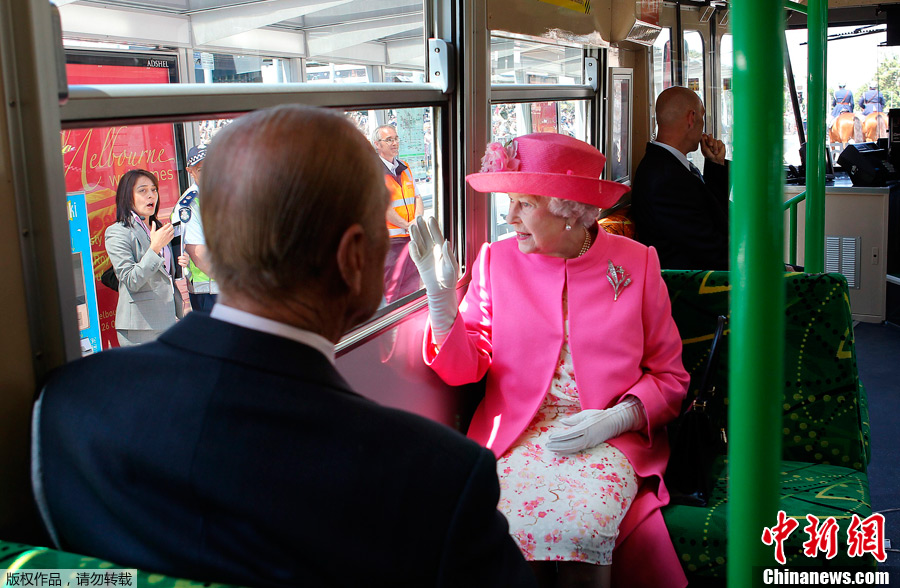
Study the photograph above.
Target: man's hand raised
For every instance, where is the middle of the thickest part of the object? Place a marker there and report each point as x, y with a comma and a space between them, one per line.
712, 148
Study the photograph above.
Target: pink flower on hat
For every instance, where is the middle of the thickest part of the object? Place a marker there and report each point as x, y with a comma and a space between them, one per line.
500, 158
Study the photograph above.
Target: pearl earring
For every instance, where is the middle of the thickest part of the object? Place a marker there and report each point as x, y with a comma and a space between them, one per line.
568, 226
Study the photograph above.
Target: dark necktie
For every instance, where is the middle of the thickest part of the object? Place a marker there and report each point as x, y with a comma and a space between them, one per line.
696, 172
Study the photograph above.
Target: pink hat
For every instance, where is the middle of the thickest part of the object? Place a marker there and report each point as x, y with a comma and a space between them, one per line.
547, 164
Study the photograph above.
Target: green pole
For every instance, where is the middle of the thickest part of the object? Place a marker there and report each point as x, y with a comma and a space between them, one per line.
756, 342
791, 207
814, 251
793, 232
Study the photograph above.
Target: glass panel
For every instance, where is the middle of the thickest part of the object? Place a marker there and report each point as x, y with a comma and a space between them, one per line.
214, 68
336, 73
726, 105
620, 131
694, 61
511, 120
257, 40
662, 63
514, 61
853, 60
95, 159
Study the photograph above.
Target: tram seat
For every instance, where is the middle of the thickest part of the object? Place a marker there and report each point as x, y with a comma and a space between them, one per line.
17, 557
825, 445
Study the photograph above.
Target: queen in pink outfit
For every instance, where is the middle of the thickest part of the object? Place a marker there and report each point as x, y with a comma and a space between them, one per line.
573, 328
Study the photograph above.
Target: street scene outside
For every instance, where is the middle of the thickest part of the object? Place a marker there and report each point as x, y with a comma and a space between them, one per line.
853, 61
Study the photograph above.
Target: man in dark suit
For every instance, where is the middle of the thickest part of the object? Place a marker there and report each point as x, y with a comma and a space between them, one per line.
231, 450
676, 208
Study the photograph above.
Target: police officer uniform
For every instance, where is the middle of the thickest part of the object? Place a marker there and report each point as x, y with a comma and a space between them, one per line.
871, 101
202, 289
842, 101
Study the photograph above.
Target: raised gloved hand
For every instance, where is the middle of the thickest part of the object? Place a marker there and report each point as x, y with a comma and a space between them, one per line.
439, 271
592, 427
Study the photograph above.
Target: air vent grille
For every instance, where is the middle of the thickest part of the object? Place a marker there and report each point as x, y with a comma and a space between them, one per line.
842, 256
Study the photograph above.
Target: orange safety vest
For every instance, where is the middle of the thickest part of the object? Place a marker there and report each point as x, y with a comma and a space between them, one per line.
403, 198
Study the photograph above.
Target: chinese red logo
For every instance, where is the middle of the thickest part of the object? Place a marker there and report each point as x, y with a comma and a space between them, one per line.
863, 536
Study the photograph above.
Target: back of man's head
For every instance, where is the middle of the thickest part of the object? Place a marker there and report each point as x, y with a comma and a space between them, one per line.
674, 103
277, 203
679, 118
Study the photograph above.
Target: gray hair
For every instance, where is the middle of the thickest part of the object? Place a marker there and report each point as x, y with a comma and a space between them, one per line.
584, 214
376, 133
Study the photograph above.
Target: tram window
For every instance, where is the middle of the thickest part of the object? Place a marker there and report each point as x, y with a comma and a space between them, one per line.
853, 60
259, 41
694, 64
215, 68
662, 63
511, 120
726, 95
516, 61
94, 159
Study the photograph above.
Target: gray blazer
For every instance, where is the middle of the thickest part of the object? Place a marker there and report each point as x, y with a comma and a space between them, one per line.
147, 297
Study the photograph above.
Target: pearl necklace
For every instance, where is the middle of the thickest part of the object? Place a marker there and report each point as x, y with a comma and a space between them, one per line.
587, 243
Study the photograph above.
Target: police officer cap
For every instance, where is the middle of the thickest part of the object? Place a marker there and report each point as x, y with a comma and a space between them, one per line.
196, 155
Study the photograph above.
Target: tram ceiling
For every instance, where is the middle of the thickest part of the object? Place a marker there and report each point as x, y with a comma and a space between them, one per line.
387, 32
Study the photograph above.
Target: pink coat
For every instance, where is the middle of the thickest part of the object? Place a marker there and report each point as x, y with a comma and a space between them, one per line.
510, 326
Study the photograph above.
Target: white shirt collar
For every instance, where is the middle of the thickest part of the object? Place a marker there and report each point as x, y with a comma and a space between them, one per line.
391, 165
242, 318
678, 154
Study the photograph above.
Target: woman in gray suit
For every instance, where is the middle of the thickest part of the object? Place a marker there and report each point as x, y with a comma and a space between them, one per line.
138, 248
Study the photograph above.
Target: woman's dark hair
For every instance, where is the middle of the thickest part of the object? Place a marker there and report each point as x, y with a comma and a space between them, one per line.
125, 197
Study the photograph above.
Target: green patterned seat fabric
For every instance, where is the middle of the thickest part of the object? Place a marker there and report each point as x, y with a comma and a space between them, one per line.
699, 534
825, 414
16, 556
825, 425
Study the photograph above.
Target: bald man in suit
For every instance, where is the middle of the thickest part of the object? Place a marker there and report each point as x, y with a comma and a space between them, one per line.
676, 208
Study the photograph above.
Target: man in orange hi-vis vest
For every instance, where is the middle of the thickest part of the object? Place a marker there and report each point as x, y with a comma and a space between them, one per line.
400, 274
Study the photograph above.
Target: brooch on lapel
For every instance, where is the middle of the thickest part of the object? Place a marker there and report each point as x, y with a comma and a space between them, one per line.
618, 278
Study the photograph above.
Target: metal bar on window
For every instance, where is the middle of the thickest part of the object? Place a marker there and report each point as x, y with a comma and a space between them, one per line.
147, 103
539, 93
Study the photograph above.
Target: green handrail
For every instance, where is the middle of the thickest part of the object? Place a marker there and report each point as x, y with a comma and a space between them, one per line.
801, 8
814, 251
757, 299
795, 200
791, 205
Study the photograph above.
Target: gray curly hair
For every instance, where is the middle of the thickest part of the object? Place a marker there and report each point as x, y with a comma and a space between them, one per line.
584, 214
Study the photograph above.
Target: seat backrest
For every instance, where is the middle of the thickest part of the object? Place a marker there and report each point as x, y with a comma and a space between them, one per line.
824, 416
18, 558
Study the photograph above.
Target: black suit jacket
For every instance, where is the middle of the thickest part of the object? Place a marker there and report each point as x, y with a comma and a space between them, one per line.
225, 454
685, 219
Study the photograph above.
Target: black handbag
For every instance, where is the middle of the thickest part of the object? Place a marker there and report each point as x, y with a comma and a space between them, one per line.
693, 439
109, 279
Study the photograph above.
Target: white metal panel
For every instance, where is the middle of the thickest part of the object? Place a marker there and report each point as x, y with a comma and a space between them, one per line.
407, 52
211, 25
340, 37
109, 24
262, 41
363, 54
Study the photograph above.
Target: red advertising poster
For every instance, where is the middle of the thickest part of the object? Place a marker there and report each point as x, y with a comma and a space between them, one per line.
96, 158
650, 11
543, 117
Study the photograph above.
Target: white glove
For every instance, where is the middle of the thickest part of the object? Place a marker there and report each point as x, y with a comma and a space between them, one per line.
439, 271
592, 427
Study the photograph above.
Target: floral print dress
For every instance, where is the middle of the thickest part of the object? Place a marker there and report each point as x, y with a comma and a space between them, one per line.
564, 507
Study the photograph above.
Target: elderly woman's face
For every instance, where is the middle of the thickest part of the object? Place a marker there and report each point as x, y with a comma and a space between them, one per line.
538, 230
